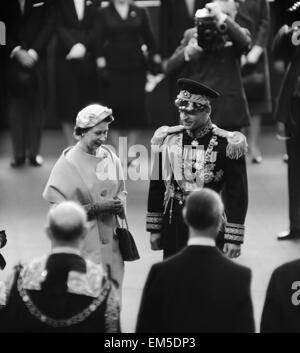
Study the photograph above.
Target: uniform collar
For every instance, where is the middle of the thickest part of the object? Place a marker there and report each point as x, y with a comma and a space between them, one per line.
201, 132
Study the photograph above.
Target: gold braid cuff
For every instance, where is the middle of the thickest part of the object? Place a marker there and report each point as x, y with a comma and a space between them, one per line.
154, 221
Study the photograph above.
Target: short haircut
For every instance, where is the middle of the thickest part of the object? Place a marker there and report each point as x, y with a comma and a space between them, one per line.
203, 209
67, 221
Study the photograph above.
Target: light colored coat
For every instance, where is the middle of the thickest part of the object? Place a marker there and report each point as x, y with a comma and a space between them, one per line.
86, 179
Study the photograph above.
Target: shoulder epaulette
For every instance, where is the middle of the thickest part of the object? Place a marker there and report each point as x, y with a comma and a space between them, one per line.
162, 132
237, 143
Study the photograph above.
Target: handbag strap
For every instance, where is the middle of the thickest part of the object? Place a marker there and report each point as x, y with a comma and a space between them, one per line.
126, 222
122, 221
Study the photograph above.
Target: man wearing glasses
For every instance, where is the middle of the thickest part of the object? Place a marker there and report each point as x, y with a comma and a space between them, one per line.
190, 156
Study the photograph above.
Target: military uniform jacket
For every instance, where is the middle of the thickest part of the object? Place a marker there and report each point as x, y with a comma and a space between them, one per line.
182, 164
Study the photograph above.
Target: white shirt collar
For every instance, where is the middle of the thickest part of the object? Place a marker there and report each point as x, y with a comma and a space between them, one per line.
201, 241
79, 7
65, 250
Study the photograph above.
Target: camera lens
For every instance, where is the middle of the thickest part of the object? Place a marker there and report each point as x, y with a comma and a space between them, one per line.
223, 27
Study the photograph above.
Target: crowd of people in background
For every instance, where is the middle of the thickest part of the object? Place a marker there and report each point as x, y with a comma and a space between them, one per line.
102, 55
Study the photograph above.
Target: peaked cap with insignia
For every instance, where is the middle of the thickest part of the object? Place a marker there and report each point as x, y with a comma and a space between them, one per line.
194, 91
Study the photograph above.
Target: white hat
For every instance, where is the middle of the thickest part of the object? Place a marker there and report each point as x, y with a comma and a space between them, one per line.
92, 115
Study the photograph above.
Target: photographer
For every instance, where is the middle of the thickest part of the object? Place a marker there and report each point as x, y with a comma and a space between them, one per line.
210, 53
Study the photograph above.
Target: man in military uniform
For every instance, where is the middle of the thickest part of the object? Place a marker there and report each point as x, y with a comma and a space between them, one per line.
194, 155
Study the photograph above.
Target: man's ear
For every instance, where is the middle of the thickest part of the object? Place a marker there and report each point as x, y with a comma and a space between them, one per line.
184, 215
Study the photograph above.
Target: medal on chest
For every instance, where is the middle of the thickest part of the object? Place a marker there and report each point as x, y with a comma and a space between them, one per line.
198, 165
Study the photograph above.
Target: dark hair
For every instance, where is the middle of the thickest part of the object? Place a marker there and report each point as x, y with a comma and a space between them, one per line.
79, 131
203, 209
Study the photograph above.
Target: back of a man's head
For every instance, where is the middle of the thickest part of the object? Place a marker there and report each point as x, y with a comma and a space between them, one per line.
67, 221
203, 210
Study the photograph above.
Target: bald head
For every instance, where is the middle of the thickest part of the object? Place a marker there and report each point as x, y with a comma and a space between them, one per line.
203, 209
67, 221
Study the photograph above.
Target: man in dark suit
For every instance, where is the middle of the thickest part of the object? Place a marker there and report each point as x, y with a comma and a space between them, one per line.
198, 290
75, 61
286, 47
62, 292
29, 25
281, 311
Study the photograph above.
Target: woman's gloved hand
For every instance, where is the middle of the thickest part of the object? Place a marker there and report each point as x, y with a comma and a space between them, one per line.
113, 206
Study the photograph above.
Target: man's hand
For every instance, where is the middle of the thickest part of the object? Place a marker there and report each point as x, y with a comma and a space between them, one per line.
78, 51
232, 250
192, 50
155, 239
101, 63
24, 58
215, 10
254, 54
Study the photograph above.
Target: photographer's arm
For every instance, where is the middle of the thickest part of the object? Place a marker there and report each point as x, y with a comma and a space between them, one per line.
240, 36
188, 50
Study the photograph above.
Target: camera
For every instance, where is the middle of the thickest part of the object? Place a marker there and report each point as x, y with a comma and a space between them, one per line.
211, 35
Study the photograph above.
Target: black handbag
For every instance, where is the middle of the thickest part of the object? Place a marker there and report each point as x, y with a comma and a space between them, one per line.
127, 244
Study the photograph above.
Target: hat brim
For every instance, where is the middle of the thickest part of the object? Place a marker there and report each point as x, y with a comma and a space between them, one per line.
195, 87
